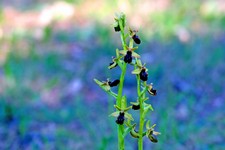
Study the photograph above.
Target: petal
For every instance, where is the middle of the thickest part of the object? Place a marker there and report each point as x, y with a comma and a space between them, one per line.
114, 114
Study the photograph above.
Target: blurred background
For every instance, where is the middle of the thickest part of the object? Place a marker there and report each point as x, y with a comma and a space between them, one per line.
50, 51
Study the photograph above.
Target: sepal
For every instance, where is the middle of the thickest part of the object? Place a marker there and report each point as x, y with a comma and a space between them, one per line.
136, 71
104, 85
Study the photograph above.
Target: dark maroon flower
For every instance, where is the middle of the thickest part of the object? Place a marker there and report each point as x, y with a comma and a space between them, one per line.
152, 92
135, 107
153, 138
128, 57
114, 83
136, 39
117, 28
110, 64
143, 75
120, 119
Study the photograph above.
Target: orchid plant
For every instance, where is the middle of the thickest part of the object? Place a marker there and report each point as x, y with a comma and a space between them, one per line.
128, 57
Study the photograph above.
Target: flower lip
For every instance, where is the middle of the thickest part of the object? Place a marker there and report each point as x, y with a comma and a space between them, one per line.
135, 107
112, 65
117, 28
128, 57
136, 39
114, 83
120, 119
153, 138
154, 92
143, 75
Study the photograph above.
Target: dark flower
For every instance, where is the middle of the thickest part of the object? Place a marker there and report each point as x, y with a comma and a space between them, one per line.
120, 119
135, 107
128, 57
153, 138
136, 39
117, 28
113, 65
114, 83
143, 75
134, 133
153, 92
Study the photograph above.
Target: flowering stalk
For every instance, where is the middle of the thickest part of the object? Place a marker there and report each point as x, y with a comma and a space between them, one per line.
122, 59
119, 102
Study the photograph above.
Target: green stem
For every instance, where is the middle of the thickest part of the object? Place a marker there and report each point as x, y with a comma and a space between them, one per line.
121, 143
119, 103
141, 126
142, 117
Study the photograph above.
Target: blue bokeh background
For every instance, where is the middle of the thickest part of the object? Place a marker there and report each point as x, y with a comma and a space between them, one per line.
50, 52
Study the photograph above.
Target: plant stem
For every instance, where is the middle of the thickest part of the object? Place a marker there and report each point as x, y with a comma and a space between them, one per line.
121, 143
141, 126
142, 115
119, 103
